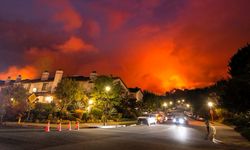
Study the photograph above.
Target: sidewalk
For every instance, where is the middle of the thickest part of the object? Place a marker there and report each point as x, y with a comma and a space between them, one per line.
229, 136
64, 126
224, 134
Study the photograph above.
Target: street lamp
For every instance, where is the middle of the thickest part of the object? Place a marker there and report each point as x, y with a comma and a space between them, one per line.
179, 101
165, 104
210, 105
107, 88
91, 102
183, 100
171, 103
188, 105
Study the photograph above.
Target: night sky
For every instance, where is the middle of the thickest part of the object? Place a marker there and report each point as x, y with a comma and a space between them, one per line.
154, 44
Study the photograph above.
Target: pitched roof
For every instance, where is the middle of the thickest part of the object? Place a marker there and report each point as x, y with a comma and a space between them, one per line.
2, 82
134, 90
78, 78
36, 80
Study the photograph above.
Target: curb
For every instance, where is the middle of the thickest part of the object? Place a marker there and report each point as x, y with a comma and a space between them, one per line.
132, 125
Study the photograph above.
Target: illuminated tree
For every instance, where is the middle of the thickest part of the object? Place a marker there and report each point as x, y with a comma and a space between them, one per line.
107, 94
15, 99
2, 108
68, 92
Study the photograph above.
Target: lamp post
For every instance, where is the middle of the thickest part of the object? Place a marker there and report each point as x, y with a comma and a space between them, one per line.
107, 90
90, 102
165, 105
210, 105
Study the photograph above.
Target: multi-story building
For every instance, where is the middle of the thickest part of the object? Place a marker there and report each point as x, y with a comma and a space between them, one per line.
45, 86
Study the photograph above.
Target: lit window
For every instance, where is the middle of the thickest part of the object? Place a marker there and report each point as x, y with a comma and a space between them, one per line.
34, 89
49, 99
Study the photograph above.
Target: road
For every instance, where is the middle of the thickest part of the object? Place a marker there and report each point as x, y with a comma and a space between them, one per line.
133, 138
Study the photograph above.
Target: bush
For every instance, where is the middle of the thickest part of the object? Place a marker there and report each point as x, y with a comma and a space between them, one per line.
79, 113
97, 113
41, 111
246, 133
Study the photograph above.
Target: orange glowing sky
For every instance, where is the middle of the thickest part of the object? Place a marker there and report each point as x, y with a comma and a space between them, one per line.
157, 45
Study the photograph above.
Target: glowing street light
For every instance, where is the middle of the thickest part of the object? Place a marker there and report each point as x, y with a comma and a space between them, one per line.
171, 103
183, 100
165, 104
188, 105
210, 104
179, 101
12, 99
107, 88
91, 102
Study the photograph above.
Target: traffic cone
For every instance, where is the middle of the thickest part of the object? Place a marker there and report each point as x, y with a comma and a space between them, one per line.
47, 128
69, 126
59, 127
77, 125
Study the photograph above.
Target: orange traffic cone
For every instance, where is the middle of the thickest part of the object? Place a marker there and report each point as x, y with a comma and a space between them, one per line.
69, 126
47, 128
59, 127
77, 125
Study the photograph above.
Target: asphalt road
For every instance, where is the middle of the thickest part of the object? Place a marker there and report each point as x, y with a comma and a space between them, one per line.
153, 137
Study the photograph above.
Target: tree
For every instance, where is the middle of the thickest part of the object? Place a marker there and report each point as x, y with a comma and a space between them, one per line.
107, 94
151, 101
235, 95
2, 108
239, 64
68, 92
15, 99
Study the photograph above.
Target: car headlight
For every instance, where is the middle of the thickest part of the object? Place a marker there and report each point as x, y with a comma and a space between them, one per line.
181, 121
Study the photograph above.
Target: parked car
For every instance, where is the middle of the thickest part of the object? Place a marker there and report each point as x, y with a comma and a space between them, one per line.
147, 119
169, 117
160, 118
200, 118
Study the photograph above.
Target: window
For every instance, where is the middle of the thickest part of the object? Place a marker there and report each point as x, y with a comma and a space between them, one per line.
44, 88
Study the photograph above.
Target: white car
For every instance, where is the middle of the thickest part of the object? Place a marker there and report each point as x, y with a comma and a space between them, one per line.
180, 120
147, 119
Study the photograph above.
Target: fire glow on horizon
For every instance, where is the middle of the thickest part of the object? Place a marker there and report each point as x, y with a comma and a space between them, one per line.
157, 45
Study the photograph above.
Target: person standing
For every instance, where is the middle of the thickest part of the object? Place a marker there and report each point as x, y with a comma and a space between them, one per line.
207, 124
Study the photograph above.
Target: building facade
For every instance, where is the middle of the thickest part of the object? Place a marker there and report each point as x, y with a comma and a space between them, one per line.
45, 86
